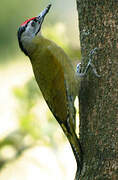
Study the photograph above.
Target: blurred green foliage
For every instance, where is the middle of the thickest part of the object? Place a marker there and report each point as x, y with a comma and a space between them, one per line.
27, 97
12, 146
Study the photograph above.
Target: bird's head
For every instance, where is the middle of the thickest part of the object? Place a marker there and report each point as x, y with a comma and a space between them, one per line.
30, 28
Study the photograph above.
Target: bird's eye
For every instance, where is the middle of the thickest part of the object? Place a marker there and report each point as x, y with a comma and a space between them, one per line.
33, 24
35, 19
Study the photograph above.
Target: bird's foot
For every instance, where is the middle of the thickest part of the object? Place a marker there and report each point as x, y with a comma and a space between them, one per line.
78, 70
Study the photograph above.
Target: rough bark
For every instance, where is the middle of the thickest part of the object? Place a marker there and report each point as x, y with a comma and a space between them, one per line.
98, 25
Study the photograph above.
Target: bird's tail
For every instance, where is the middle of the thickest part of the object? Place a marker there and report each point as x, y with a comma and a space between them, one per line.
75, 145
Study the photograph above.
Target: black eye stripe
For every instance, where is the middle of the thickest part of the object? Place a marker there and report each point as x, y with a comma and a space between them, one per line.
20, 31
35, 20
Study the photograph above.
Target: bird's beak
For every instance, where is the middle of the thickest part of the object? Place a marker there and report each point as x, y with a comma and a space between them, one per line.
41, 16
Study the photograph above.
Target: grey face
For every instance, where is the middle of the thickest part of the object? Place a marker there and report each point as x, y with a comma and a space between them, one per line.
29, 29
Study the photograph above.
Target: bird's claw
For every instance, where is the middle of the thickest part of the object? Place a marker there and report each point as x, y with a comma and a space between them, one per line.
78, 70
94, 70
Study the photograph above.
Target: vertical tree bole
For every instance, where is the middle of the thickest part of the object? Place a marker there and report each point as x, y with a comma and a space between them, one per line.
98, 25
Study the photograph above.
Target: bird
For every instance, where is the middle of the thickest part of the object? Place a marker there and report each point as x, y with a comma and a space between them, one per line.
55, 76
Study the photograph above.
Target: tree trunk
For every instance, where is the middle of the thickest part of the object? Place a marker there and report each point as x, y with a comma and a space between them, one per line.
98, 25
